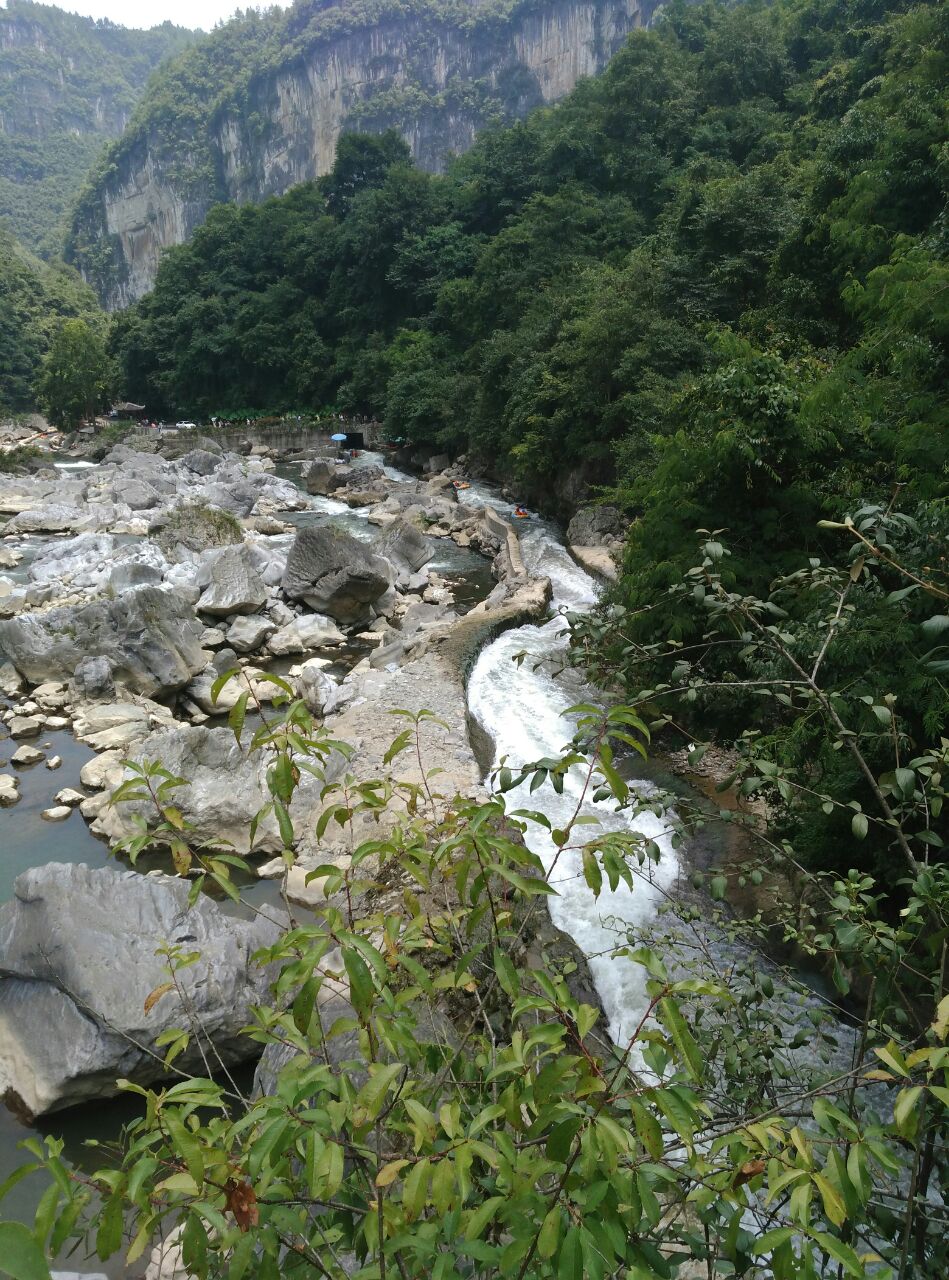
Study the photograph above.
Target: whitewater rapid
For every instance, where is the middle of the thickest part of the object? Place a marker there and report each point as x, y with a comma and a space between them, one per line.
522, 705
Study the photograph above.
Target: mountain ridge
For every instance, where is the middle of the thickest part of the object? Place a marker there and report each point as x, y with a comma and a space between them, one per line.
259, 106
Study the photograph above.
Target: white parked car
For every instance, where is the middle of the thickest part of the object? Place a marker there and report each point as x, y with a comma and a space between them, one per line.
186, 426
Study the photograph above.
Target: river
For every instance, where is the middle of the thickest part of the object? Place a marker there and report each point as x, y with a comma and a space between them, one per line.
520, 705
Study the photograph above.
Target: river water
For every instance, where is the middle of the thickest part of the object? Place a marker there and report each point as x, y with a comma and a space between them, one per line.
522, 706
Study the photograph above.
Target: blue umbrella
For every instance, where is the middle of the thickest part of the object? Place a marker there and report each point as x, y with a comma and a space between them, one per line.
340, 435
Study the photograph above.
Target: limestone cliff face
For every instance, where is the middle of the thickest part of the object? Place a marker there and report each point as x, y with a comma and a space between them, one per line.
436, 80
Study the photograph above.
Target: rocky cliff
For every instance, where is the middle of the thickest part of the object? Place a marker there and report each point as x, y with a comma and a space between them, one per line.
276, 96
67, 86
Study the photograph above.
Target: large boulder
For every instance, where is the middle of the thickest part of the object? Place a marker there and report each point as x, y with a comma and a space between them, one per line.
201, 461
55, 517
138, 494
303, 635
405, 547
248, 633
92, 563
196, 527
597, 526
226, 788
318, 690
150, 636
363, 486
78, 964
177, 447
322, 477
335, 574
231, 583
93, 680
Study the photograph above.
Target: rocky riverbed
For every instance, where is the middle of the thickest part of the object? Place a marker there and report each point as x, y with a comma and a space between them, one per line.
126, 590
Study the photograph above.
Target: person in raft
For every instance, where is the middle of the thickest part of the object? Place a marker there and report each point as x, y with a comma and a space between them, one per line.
521, 512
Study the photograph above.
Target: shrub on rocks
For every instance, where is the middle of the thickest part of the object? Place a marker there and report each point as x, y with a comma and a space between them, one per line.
197, 527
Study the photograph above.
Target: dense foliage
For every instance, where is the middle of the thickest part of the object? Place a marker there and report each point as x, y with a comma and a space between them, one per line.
77, 376
67, 84
35, 298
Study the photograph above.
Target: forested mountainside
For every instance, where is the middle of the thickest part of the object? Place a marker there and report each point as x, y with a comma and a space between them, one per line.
756, 189
35, 298
67, 85
258, 107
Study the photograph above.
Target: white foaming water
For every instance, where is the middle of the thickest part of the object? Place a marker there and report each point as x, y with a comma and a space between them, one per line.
328, 506
522, 706
74, 466
370, 458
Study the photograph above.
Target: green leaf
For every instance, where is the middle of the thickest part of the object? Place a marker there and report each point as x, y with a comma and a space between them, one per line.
941, 1020
527, 884
549, 1234
935, 625
891, 1057
16, 1177
591, 872
282, 778
235, 719
360, 983
859, 825
771, 1240
334, 1168
284, 824
570, 1262
374, 1090
186, 1145
398, 745
906, 781
480, 1218
840, 1252
686, 1047
222, 680
506, 974
20, 1255
109, 1234
560, 1138
648, 1130
904, 1111
833, 1202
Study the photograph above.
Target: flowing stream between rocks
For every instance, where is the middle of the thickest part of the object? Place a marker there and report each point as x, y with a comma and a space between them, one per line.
522, 706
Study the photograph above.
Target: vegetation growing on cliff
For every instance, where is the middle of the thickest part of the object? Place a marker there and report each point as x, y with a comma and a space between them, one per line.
67, 84
758, 178
206, 120
35, 299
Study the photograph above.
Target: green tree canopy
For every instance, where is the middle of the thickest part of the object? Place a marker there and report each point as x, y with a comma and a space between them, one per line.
77, 375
